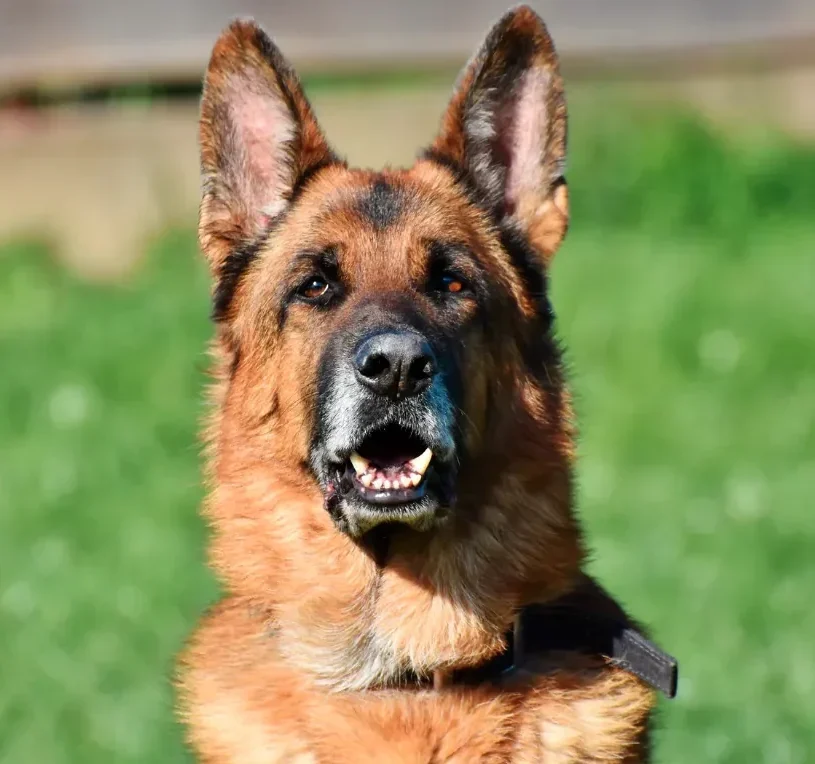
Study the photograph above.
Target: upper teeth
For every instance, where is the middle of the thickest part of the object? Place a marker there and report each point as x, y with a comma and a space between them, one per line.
360, 463
421, 462
417, 466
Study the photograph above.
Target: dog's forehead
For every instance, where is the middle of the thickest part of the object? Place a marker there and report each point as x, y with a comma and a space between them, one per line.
367, 206
377, 220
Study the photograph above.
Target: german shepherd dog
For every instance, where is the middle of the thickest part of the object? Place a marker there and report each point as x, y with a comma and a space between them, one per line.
392, 447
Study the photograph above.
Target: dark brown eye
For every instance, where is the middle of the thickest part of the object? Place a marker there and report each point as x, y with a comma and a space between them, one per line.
313, 288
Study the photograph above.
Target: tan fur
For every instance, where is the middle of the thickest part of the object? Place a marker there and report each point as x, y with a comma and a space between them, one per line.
304, 659
247, 704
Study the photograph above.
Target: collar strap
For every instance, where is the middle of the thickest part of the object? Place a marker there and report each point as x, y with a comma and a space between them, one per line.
586, 621
541, 629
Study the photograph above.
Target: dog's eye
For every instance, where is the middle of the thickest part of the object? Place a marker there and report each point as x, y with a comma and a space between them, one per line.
313, 288
451, 283
448, 282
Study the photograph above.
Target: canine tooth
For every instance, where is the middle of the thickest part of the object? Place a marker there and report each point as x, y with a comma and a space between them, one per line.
359, 463
377, 483
366, 479
405, 481
415, 479
421, 462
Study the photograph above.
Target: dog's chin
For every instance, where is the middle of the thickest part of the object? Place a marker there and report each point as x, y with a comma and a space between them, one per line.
356, 516
391, 477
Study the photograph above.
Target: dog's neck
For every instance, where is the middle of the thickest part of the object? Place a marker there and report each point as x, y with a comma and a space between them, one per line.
357, 618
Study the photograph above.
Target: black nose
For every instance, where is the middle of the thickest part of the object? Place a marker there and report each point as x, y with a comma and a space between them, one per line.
397, 363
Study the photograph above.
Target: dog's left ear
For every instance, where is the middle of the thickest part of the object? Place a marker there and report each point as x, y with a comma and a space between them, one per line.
506, 128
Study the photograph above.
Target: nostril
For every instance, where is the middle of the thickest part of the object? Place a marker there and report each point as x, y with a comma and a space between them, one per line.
374, 365
421, 368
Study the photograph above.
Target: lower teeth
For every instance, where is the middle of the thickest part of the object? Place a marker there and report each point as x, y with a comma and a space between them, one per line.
379, 482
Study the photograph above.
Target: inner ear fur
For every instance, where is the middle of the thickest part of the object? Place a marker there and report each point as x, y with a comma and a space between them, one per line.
506, 128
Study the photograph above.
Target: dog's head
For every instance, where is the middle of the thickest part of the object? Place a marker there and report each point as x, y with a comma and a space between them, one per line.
386, 337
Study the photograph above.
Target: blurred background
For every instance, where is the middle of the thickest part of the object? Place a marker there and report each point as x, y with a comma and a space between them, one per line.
685, 294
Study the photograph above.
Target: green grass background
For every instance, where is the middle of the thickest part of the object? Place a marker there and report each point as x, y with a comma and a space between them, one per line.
686, 295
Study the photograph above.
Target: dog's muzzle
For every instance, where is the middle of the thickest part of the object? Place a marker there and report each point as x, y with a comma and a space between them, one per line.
385, 448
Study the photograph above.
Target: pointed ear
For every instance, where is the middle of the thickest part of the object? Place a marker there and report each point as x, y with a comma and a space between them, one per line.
506, 128
258, 138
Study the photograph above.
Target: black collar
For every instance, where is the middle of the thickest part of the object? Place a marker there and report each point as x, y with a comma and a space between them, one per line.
586, 621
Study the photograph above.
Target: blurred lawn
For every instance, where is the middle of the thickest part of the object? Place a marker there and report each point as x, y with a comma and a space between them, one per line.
686, 294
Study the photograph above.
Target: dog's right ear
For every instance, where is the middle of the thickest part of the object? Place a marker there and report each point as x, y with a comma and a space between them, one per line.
258, 138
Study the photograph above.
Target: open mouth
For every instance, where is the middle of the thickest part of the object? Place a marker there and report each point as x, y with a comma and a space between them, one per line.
390, 466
